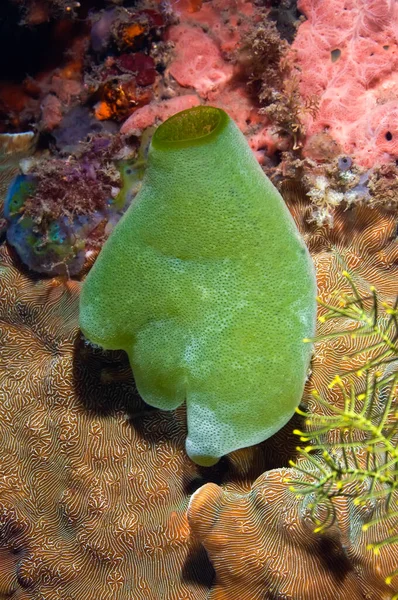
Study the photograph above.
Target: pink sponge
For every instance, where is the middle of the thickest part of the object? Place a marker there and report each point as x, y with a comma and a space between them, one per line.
198, 63
347, 54
147, 115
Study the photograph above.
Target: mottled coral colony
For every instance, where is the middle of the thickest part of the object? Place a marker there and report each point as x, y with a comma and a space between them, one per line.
98, 497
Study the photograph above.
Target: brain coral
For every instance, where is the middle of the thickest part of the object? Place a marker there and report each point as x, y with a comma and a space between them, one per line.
363, 241
261, 543
94, 484
262, 546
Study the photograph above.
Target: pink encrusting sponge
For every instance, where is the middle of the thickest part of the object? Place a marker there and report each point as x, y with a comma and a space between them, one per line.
347, 54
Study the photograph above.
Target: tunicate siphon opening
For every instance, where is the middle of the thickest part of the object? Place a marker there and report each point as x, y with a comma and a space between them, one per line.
344, 163
335, 54
192, 127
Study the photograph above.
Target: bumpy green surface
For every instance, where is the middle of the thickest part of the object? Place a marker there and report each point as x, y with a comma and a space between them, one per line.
208, 287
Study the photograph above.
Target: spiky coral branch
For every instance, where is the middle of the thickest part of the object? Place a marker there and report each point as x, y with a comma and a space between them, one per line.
366, 424
371, 322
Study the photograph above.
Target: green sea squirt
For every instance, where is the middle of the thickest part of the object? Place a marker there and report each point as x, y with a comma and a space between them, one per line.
207, 285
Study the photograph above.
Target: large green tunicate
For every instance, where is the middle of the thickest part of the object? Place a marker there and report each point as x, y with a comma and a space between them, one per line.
207, 285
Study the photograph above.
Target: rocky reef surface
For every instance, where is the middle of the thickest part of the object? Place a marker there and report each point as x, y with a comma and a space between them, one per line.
97, 496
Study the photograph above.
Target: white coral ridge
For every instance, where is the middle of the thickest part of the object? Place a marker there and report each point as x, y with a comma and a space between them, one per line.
322, 194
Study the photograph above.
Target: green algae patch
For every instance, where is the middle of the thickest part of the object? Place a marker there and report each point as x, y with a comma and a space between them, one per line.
209, 288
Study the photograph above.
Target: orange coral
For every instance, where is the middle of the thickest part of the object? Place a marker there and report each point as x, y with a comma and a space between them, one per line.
195, 5
103, 111
130, 32
120, 99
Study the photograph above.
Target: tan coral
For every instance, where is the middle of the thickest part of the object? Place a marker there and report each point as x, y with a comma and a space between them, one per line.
93, 485
363, 242
263, 547
261, 543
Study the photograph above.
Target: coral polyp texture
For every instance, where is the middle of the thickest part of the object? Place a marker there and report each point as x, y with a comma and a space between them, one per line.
208, 287
93, 484
263, 543
107, 519
347, 54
